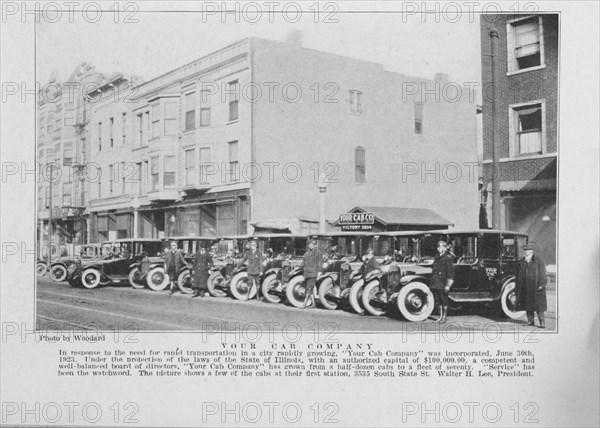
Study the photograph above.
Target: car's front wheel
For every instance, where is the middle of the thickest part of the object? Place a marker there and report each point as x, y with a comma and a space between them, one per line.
240, 288
184, 282
157, 279
355, 296
295, 292
271, 289
41, 268
508, 302
214, 285
374, 299
135, 278
90, 278
58, 273
327, 294
415, 301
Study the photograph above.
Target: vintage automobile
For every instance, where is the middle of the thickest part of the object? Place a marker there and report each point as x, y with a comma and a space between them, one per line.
238, 286
399, 254
59, 268
485, 269
342, 257
118, 263
284, 253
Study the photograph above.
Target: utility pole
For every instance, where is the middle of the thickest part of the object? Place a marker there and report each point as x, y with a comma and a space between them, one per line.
50, 216
494, 37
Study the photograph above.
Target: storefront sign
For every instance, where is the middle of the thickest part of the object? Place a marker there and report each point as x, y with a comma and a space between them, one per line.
356, 221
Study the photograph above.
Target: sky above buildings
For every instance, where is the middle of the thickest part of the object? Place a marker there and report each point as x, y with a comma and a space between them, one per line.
159, 41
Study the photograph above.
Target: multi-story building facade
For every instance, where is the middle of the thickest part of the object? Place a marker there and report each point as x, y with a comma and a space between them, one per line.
242, 137
525, 129
61, 155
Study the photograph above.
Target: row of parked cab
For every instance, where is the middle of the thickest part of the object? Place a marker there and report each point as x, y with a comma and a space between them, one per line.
485, 269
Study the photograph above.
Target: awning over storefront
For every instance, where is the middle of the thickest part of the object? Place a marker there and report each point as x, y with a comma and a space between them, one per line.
399, 218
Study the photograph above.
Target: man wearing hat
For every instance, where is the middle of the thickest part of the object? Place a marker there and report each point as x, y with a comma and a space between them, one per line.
201, 271
531, 286
442, 277
369, 263
174, 262
312, 265
255, 259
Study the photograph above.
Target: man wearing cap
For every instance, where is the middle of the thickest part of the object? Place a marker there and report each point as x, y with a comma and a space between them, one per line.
312, 265
255, 259
201, 271
369, 263
442, 277
531, 286
174, 261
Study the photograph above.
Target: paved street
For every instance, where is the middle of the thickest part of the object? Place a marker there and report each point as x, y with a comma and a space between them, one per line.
120, 307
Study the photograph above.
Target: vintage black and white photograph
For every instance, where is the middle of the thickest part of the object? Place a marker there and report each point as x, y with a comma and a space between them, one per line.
318, 171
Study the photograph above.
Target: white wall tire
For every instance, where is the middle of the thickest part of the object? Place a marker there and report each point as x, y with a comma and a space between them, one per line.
270, 283
325, 288
415, 302
41, 268
184, 282
58, 273
214, 281
135, 279
508, 302
239, 287
295, 291
157, 279
355, 296
369, 293
90, 278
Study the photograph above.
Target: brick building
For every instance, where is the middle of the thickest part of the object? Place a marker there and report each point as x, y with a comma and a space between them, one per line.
526, 131
239, 138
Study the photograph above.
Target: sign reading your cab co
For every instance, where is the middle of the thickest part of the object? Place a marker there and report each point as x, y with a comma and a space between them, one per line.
356, 221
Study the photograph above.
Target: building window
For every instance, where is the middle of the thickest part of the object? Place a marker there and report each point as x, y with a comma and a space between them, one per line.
233, 161
58, 123
111, 122
204, 159
527, 129
232, 90
525, 44
355, 99
99, 182
124, 127
154, 174
111, 178
57, 153
169, 172
190, 167
418, 117
147, 133
50, 123
190, 111
140, 127
68, 154
142, 174
66, 194
99, 136
156, 121
360, 165
204, 108
83, 151
170, 119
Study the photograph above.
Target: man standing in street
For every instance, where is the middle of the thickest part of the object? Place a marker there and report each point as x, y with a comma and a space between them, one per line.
312, 264
255, 259
201, 271
174, 261
531, 286
442, 277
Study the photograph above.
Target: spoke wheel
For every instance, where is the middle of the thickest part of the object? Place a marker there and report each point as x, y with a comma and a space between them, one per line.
157, 279
214, 283
90, 278
135, 279
415, 302
240, 288
374, 299
58, 273
270, 284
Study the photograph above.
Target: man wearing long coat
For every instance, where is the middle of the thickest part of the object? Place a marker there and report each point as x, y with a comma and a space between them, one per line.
312, 265
174, 262
531, 286
201, 270
255, 260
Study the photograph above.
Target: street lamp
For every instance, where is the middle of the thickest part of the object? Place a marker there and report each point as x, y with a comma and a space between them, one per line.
322, 191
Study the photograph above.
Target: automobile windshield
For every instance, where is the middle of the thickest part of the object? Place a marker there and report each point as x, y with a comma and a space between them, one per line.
343, 246
429, 246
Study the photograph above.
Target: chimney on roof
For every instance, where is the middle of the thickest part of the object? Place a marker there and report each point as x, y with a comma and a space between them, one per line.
294, 38
441, 77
